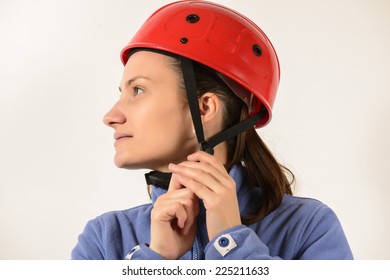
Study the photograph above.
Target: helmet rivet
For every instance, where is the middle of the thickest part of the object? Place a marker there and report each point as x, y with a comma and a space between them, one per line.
192, 18
183, 40
257, 50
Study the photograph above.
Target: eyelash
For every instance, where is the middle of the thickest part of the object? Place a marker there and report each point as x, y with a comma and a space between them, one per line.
136, 89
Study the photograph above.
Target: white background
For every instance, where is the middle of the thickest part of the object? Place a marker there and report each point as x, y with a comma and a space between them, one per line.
59, 74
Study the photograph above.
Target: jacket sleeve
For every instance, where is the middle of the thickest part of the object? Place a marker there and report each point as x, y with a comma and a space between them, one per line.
238, 243
103, 239
143, 252
89, 245
321, 237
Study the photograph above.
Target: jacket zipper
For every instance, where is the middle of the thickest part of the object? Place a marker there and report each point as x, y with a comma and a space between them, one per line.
195, 250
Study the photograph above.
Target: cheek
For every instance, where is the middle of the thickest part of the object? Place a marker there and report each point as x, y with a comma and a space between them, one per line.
167, 130
153, 118
162, 115
171, 124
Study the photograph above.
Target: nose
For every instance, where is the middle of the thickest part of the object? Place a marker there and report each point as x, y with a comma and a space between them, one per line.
114, 116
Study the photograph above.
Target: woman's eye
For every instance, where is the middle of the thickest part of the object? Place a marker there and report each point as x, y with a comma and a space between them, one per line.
138, 91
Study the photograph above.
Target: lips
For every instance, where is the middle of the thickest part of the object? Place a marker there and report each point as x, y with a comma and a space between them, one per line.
119, 136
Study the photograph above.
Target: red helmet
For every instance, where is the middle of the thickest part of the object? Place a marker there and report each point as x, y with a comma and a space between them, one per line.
219, 38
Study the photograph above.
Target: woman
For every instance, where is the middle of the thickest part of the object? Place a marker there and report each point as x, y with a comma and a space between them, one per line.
198, 79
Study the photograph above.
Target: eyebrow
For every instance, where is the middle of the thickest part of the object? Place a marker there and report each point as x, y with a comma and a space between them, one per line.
130, 81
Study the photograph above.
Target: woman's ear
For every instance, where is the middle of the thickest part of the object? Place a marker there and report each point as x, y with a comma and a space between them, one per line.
210, 107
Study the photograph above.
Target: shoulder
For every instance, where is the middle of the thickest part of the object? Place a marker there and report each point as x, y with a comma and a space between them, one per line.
303, 216
131, 216
302, 203
318, 229
310, 227
112, 234
306, 210
315, 223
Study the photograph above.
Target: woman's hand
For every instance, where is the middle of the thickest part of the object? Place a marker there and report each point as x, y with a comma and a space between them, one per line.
207, 178
173, 221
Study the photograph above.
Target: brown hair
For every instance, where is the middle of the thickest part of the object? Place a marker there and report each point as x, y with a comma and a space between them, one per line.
247, 149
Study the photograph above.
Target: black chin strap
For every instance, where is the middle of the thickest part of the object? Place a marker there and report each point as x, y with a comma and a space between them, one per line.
161, 179
190, 85
238, 128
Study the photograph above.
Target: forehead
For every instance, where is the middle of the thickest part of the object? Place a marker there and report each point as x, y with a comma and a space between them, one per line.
147, 63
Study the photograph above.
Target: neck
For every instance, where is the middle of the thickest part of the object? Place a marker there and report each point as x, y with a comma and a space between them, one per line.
220, 152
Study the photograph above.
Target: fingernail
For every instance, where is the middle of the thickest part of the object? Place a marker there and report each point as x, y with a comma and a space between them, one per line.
172, 166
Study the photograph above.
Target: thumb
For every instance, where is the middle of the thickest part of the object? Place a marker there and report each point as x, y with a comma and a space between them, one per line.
174, 184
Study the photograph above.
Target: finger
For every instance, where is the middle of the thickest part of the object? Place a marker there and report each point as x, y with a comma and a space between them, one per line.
198, 189
174, 184
171, 212
205, 167
189, 227
192, 213
222, 176
191, 206
213, 166
207, 158
202, 173
181, 215
178, 194
186, 198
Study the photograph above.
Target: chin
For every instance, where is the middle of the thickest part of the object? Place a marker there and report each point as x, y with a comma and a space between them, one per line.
141, 164
125, 165
131, 164
122, 162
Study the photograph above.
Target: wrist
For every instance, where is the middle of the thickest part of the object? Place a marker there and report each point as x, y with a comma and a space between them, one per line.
163, 252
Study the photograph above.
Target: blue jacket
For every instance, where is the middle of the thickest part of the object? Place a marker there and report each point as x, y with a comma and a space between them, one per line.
300, 228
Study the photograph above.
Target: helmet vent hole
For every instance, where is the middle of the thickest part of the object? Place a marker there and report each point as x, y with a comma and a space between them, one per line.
257, 50
183, 40
192, 18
